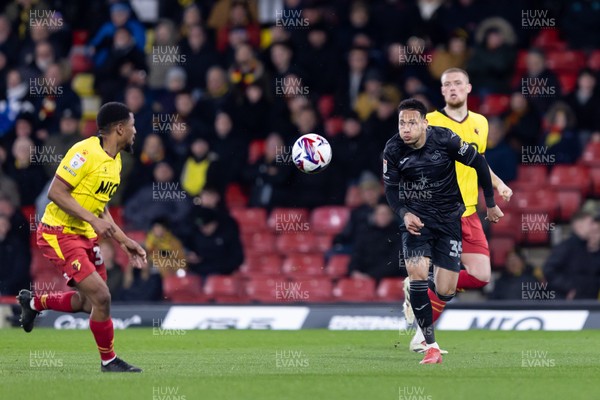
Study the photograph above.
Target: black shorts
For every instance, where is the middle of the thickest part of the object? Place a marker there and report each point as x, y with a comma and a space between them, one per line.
441, 242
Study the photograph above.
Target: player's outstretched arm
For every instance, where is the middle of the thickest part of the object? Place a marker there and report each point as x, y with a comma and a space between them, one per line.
137, 254
60, 193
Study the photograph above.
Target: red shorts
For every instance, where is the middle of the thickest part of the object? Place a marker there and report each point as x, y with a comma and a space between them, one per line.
473, 238
75, 256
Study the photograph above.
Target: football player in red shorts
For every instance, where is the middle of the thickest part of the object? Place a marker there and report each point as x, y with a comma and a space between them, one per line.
76, 217
473, 129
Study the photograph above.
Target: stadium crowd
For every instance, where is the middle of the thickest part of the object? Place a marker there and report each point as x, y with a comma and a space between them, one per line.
220, 90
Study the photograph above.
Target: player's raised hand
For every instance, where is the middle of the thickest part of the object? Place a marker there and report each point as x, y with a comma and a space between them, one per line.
504, 191
103, 228
413, 223
137, 255
494, 214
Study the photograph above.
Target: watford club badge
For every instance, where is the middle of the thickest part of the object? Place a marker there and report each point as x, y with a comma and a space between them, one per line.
76, 265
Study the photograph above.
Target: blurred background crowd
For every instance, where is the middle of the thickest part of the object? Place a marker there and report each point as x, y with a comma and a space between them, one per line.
220, 90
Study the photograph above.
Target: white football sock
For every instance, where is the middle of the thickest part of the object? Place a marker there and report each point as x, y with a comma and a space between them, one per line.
31, 304
109, 361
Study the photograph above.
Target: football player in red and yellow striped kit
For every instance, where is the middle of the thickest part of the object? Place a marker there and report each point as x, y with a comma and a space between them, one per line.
75, 219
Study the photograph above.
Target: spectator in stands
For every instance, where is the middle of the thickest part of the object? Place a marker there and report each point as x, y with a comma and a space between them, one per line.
164, 53
585, 103
351, 81
14, 101
200, 56
215, 246
280, 62
368, 97
370, 192
163, 197
58, 144
517, 281
492, 61
141, 285
196, 169
184, 112
124, 65
454, 54
378, 248
56, 97
230, 151
30, 177
215, 97
538, 81
522, 122
192, 16
114, 271
573, 267
246, 69
351, 149
253, 114
269, 175
382, 124
9, 44
14, 260
318, 58
176, 82
580, 24
240, 27
135, 100
502, 159
35, 64
559, 134
153, 152
120, 17
165, 250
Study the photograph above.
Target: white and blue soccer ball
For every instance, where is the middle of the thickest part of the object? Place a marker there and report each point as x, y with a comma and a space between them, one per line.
311, 153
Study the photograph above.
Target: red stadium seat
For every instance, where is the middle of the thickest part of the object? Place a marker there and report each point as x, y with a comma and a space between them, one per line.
569, 202
259, 243
594, 60
521, 64
267, 264
303, 265
540, 201
266, 290
235, 197
591, 155
354, 290
50, 283
312, 290
299, 242
474, 102
333, 126
329, 219
89, 128
571, 60
138, 236
222, 287
326, 105
509, 226
183, 289
80, 37
256, 150
537, 233
533, 174
574, 177
250, 220
116, 212
547, 39
391, 289
288, 219
495, 104
40, 265
499, 249
324, 242
595, 176
337, 266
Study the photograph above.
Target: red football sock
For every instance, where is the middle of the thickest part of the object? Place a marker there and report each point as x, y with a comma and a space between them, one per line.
466, 281
105, 335
437, 305
56, 302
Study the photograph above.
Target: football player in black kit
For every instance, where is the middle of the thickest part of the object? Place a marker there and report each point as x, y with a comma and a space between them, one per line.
421, 187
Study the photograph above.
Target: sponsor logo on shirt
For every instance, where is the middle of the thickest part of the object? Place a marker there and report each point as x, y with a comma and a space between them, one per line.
77, 161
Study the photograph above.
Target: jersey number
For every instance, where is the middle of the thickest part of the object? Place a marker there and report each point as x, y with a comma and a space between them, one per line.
456, 248
99, 259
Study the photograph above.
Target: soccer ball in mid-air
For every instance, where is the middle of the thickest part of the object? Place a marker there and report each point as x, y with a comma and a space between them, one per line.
311, 153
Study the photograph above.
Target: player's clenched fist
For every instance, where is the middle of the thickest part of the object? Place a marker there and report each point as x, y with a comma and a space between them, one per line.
494, 214
413, 223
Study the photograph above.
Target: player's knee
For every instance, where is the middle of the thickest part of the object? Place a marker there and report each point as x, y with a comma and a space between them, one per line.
101, 299
445, 297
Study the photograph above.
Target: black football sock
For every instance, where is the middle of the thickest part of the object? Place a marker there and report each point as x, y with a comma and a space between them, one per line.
421, 306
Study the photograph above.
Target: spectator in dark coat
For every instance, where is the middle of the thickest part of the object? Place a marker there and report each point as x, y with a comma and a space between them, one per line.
573, 267
580, 24
200, 56
114, 271
351, 82
253, 113
560, 135
516, 281
318, 58
153, 152
522, 122
269, 176
14, 260
28, 175
135, 100
351, 149
585, 101
216, 245
502, 159
539, 83
377, 249
230, 151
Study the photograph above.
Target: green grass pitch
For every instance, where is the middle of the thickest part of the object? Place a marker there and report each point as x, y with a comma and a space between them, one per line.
310, 364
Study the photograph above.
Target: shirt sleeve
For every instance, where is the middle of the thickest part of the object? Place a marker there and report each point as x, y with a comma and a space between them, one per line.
391, 180
74, 166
